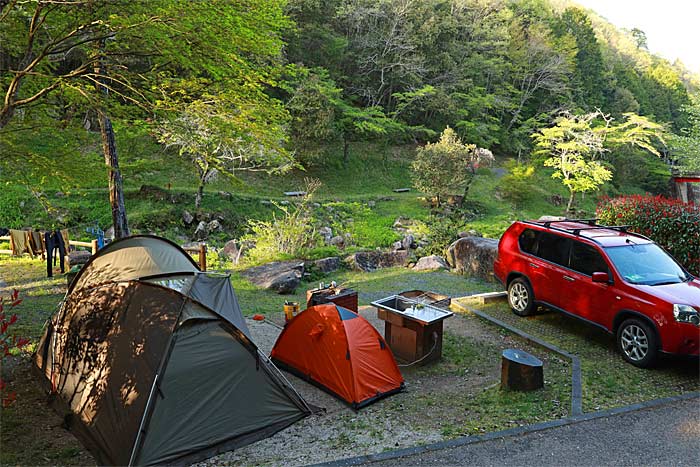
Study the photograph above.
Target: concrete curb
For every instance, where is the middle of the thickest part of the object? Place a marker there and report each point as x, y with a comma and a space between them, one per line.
467, 440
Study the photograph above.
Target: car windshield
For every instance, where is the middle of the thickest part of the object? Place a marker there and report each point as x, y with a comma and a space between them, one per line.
646, 264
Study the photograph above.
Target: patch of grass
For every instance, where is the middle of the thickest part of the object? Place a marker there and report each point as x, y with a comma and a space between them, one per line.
607, 380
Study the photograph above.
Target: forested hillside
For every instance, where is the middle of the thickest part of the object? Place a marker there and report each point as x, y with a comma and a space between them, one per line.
195, 93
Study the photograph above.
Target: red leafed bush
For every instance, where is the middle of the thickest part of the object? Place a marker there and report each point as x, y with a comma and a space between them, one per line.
8, 342
671, 223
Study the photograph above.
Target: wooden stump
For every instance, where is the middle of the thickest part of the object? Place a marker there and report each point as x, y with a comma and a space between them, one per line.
521, 371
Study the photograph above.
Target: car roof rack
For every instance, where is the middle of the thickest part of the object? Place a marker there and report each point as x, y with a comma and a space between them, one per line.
592, 225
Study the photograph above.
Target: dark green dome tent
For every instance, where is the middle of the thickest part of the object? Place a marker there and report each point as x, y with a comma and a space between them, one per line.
151, 362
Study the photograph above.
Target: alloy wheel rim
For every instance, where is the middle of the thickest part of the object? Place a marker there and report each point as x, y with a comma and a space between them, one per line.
635, 342
518, 297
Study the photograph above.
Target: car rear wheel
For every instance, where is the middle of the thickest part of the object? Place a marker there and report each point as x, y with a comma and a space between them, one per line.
520, 297
637, 342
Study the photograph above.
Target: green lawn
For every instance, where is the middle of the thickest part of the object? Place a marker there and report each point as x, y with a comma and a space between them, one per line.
607, 380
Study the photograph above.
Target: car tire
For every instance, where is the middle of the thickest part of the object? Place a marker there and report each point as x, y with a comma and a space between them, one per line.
521, 297
637, 342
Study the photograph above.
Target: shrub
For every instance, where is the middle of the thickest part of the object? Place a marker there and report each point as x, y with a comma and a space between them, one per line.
671, 223
516, 187
8, 342
284, 237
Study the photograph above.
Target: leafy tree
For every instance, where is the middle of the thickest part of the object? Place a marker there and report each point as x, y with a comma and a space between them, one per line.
216, 138
127, 59
686, 146
448, 165
575, 145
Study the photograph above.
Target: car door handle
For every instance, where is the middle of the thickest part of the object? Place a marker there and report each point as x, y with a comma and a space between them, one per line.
533, 265
569, 278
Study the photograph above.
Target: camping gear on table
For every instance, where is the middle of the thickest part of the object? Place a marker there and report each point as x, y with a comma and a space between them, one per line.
413, 326
152, 363
339, 351
347, 298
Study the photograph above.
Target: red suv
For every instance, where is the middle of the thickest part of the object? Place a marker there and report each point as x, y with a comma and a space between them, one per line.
617, 280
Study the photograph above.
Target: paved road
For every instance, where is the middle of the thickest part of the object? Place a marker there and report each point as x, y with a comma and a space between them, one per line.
663, 435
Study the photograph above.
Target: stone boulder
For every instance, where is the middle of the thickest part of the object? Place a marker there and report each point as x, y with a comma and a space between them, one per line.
214, 226
326, 265
430, 263
338, 241
473, 256
201, 232
231, 251
326, 233
372, 260
187, 217
408, 242
281, 276
78, 257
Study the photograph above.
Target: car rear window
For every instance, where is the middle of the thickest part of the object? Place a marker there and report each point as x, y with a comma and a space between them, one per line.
528, 241
554, 248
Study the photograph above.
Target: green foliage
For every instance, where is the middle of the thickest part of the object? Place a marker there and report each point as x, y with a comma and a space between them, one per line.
686, 146
516, 187
575, 143
286, 236
671, 223
447, 166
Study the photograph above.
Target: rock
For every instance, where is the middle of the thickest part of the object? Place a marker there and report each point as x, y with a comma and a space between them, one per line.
78, 257
214, 226
408, 242
231, 251
470, 233
187, 217
315, 205
326, 233
326, 265
371, 204
429, 263
473, 256
201, 232
372, 260
338, 241
153, 192
281, 276
396, 246
59, 194
225, 195
266, 202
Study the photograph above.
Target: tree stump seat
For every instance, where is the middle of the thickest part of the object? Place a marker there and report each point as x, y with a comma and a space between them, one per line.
521, 371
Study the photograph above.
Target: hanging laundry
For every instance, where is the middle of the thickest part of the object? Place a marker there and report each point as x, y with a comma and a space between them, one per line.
19, 242
36, 243
66, 239
54, 241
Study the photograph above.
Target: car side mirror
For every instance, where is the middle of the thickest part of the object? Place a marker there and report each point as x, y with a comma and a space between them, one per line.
601, 277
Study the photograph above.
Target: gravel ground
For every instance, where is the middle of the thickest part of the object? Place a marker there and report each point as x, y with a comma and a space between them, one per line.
391, 423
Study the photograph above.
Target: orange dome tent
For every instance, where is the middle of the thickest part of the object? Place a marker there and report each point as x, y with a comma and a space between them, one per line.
340, 351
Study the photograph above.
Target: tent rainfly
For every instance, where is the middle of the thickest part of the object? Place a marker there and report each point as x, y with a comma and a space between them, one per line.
339, 351
151, 362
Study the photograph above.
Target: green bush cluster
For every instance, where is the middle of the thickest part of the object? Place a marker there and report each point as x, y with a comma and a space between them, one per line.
671, 223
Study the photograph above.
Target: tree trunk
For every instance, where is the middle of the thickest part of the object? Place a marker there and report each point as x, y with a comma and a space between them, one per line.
198, 196
570, 204
116, 191
346, 151
109, 148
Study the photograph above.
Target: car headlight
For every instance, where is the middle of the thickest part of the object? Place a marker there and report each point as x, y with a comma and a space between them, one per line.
686, 314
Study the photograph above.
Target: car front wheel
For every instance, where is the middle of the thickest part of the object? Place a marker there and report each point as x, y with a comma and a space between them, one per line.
637, 342
520, 297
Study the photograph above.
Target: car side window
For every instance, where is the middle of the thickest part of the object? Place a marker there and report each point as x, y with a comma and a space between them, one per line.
554, 248
528, 241
586, 259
